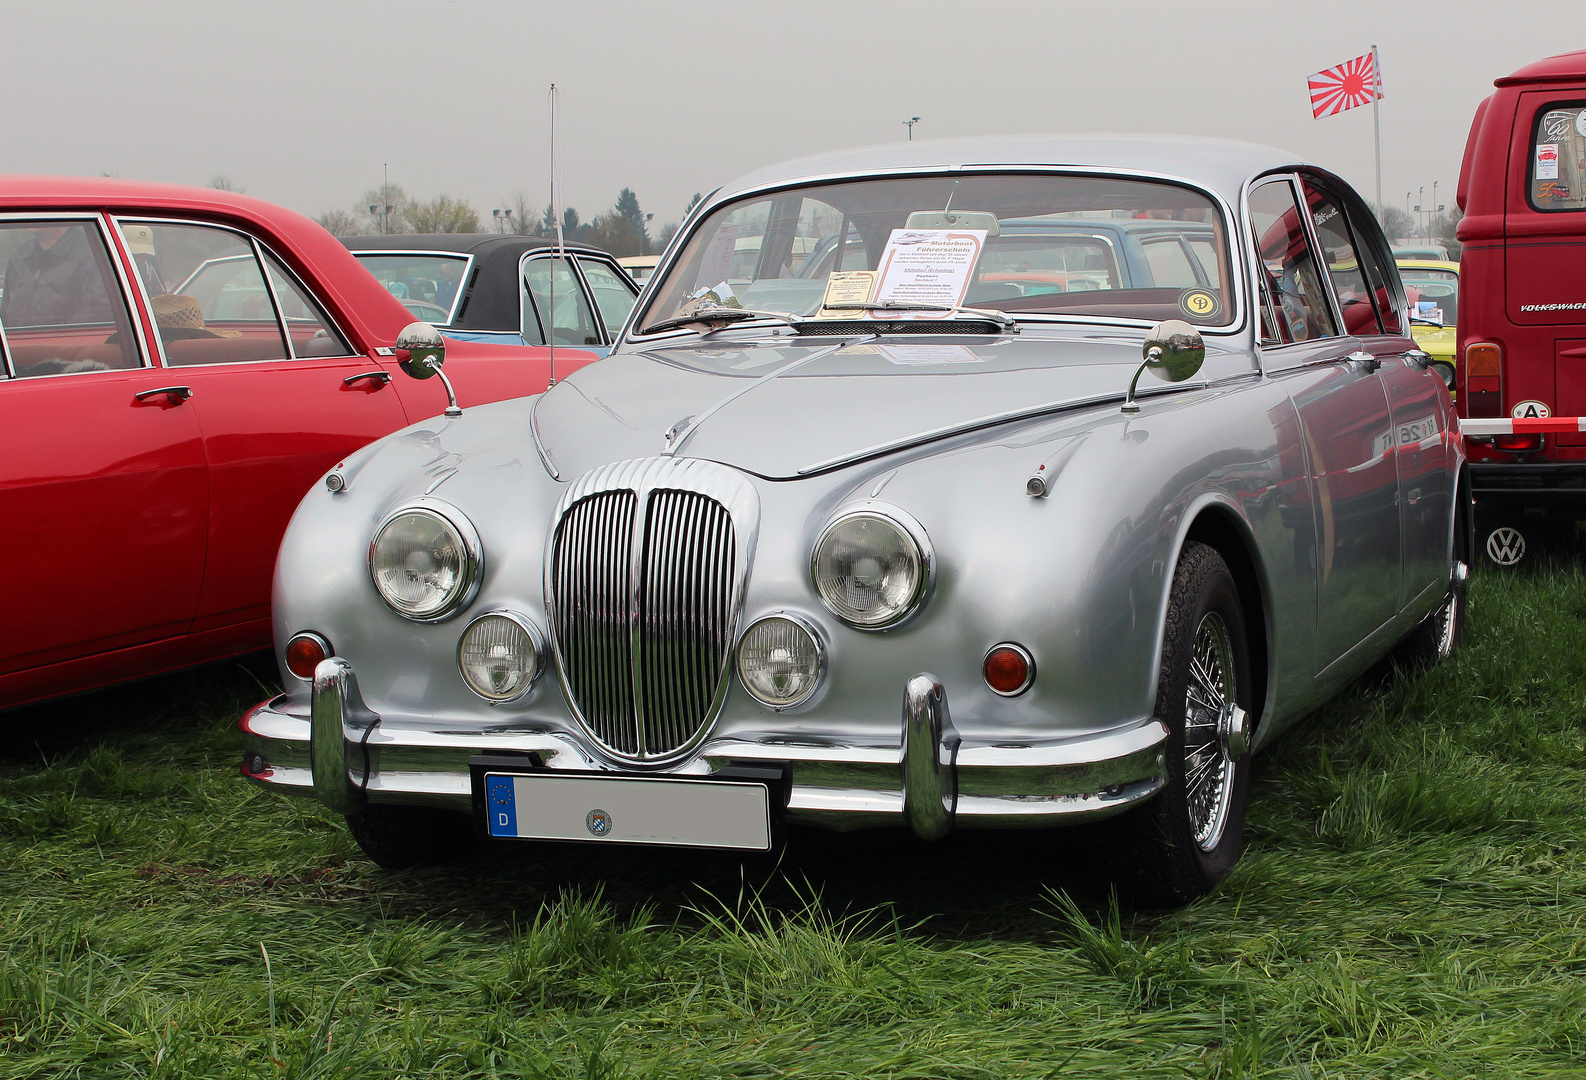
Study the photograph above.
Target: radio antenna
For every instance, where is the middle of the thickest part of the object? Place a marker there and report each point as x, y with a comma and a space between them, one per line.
556, 220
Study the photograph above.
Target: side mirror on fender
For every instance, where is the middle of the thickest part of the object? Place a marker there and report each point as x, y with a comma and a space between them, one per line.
1173, 351
426, 352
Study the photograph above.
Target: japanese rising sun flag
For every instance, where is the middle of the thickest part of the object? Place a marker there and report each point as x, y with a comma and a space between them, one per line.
1346, 86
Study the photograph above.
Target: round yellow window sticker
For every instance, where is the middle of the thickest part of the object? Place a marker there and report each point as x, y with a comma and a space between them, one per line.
1199, 303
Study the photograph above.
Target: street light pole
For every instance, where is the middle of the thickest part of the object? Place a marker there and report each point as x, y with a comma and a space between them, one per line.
909, 123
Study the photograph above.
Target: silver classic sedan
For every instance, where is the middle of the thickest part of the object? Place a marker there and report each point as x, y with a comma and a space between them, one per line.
991, 484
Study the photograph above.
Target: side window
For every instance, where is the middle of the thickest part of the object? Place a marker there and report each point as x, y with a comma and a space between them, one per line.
1170, 266
1378, 265
312, 332
216, 309
574, 323
1558, 157
612, 295
1343, 263
62, 308
1284, 252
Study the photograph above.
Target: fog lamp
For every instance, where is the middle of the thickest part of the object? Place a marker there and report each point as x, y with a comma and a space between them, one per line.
780, 661
500, 656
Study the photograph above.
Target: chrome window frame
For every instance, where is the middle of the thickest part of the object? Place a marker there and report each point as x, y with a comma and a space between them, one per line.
610, 262
1290, 176
572, 258
1238, 286
431, 253
118, 258
256, 246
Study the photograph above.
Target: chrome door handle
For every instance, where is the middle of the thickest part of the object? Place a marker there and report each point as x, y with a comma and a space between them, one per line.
381, 377
178, 394
1364, 361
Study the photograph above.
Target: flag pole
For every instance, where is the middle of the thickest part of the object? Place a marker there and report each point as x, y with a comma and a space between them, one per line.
1376, 122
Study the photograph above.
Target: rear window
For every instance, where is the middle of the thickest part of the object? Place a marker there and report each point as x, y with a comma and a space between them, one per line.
1558, 157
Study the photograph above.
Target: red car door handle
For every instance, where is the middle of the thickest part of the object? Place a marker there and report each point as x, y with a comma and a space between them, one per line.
381, 377
177, 394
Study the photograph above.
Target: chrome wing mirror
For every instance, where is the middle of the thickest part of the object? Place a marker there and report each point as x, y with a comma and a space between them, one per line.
426, 352
1173, 351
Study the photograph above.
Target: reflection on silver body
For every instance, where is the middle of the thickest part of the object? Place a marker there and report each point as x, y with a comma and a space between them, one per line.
651, 507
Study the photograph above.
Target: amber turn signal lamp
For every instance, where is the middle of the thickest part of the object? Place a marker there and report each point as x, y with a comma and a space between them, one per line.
1481, 361
1009, 669
304, 653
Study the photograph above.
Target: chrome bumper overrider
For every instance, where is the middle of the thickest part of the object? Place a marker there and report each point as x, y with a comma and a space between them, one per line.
931, 779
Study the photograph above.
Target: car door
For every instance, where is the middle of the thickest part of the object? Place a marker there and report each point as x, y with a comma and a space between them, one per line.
280, 394
1370, 298
104, 488
1345, 422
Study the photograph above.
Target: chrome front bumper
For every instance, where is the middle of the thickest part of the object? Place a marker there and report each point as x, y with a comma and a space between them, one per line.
931, 779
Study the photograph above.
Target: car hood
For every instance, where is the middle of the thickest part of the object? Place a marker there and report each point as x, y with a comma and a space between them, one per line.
783, 410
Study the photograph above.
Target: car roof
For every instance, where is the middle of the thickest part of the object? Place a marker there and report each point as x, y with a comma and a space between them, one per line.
1564, 67
361, 303
1220, 164
461, 243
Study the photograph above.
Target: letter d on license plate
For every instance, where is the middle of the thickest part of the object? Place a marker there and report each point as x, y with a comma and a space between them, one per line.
629, 810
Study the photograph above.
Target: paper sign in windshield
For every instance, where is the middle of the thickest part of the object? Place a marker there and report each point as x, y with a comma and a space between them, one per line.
847, 287
928, 266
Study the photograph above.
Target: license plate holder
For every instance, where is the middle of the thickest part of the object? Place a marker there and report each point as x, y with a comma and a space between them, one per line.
736, 808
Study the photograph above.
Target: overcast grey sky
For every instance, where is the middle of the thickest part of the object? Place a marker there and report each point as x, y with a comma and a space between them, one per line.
301, 101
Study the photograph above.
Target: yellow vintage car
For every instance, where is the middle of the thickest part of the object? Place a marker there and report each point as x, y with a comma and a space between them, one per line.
1433, 290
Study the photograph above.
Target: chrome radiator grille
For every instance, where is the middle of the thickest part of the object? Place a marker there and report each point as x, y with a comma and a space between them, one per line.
644, 582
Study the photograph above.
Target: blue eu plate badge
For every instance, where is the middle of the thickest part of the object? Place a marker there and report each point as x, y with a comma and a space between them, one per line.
501, 805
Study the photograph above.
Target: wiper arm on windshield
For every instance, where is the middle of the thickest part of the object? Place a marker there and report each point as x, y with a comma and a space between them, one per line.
722, 313
989, 314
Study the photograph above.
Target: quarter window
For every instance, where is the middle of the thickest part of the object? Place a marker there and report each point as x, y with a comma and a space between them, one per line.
1285, 255
312, 333
548, 282
62, 308
612, 295
1343, 263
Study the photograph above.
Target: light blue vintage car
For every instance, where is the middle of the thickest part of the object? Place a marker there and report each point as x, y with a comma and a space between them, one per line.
979, 528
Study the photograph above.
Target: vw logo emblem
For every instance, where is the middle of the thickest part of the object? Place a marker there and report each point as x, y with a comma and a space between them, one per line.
598, 822
1505, 546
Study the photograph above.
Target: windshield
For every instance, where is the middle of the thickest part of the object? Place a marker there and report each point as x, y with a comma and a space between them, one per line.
1434, 290
1024, 244
426, 284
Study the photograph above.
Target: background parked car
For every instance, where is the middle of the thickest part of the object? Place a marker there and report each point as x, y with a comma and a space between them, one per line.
899, 562
179, 366
639, 267
1432, 287
496, 287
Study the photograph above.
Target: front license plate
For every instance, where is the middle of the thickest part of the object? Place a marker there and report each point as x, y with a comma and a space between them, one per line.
629, 810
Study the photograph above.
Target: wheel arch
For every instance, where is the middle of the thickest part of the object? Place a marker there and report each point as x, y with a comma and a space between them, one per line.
1217, 523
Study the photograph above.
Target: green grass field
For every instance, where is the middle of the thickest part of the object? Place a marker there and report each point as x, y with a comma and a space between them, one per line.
1410, 904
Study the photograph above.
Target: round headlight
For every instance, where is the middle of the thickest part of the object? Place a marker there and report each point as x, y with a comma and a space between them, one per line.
780, 661
500, 656
425, 564
870, 570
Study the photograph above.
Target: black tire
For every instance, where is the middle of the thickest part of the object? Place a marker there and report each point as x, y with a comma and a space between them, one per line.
1179, 845
398, 837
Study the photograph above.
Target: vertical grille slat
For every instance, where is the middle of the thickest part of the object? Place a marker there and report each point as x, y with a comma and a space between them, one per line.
644, 658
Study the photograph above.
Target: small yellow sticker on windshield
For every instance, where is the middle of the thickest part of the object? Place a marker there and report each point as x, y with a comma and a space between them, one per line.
1199, 304
846, 291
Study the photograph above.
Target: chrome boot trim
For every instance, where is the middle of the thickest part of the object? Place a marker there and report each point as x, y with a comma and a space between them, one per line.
930, 743
337, 713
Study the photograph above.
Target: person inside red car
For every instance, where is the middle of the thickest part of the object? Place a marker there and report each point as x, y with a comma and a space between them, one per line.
53, 281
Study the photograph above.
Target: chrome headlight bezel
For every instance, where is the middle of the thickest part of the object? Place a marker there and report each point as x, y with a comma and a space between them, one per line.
925, 556
537, 641
469, 574
817, 685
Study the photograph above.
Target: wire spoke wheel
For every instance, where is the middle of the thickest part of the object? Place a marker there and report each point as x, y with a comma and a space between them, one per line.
1209, 695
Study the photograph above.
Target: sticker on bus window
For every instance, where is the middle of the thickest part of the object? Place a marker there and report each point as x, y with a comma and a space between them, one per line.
1546, 161
1580, 122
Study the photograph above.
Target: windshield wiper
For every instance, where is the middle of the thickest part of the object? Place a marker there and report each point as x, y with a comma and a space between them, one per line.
721, 313
988, 314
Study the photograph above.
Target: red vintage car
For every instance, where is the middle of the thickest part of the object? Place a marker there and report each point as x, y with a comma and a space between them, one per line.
177, 367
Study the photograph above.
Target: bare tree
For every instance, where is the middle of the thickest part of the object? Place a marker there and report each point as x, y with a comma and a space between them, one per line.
340, 223
222, 182
1395, 222
442, 214
383, 210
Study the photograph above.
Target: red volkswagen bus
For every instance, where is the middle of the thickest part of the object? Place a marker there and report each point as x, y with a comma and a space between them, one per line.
1522, 299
